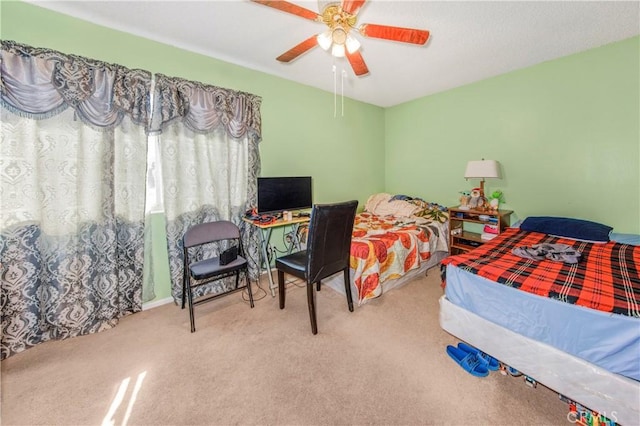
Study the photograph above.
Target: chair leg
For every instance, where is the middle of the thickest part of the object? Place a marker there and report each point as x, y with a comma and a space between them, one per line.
184, 288
312, 308
347, 289
246, 277
281, 288
190, 299
318, 285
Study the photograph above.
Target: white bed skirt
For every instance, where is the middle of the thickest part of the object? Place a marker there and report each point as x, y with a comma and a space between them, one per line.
612, 395
336, 281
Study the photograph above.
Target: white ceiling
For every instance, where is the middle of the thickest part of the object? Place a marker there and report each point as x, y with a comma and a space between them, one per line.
470, 41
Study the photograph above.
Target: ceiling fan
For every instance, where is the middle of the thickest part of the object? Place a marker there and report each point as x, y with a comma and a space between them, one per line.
340, 18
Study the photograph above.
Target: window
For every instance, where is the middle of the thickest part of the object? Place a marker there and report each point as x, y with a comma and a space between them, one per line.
154, 202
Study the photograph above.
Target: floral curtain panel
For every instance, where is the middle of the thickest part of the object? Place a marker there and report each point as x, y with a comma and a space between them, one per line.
210, 164
72, 187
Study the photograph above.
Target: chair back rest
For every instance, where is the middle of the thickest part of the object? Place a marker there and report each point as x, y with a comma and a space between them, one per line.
210, 232
329, 241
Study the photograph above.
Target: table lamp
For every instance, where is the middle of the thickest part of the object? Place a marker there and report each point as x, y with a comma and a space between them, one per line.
482, 169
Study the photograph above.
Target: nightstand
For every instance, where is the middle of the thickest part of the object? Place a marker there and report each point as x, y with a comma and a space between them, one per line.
462, 238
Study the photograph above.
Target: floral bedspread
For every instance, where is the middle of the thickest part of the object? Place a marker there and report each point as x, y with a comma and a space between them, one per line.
387, 247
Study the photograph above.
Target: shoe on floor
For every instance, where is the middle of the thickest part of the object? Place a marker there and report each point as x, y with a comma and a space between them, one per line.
492, 363
468, 361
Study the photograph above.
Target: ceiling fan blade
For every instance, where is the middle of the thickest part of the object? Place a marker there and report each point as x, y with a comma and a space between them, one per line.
294, 9
404, 35
352, 6
298, 50
357, 63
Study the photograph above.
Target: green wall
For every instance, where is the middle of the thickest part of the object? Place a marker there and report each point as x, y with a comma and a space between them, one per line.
300, 136
566, 133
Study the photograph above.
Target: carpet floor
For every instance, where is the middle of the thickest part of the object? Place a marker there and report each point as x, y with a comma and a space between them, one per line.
383, 364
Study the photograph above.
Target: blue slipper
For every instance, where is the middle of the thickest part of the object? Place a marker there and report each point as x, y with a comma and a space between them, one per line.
492, 363
470, 362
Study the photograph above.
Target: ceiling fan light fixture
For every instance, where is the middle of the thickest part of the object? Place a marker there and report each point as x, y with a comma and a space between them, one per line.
339, 17
324, 40
338, 50
352, 44
338, 35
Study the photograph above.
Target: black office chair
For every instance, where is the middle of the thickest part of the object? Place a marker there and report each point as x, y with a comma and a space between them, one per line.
226, 235
328, 249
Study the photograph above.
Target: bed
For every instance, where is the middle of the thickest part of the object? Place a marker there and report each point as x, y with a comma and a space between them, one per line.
574, 327
395, 239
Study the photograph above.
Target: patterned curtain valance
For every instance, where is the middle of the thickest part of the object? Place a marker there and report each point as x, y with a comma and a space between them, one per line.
204, 108
39, 83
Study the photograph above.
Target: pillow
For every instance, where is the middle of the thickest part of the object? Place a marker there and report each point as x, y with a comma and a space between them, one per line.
396, 208
576, 229
631, 239
384, 204
375, 200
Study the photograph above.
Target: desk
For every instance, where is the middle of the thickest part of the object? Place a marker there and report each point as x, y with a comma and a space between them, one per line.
265, 236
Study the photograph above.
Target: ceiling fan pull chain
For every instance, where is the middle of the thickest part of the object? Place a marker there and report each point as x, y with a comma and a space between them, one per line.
342, 88
335, 89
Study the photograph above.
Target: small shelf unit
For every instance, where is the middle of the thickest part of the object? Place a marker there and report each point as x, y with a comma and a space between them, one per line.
461, 239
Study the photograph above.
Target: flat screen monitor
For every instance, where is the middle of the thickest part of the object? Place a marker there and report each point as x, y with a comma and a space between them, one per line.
276, 194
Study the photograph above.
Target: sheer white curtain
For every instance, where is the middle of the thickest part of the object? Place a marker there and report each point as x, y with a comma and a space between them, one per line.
203, 170
72, 170
205, 179
210, 161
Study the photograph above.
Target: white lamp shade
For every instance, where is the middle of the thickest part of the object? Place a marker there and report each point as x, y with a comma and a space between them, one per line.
324, 40
482, 169
352, 44
338, 50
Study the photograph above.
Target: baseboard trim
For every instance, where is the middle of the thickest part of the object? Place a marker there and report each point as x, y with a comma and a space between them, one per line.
156, 303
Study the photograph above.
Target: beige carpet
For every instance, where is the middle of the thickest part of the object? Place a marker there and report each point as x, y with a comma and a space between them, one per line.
383, 364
